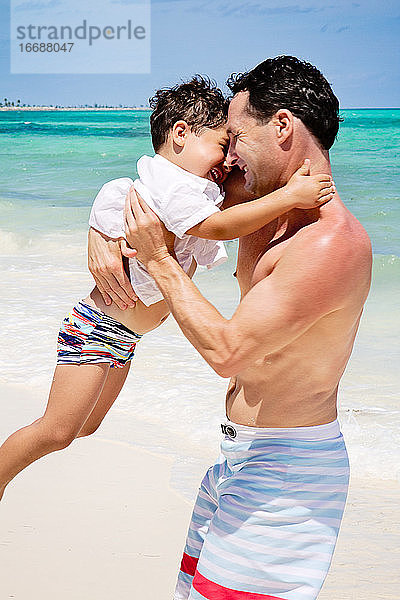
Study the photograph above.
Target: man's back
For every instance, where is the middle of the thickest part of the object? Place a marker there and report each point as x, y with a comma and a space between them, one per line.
322, 269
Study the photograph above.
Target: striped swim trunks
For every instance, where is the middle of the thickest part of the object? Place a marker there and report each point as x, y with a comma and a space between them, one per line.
267, 516
88, 336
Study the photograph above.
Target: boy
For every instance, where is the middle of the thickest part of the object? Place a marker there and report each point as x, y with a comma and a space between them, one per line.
181, 183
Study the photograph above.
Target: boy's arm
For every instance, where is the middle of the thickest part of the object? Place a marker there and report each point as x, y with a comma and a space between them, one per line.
302, 191
243, 219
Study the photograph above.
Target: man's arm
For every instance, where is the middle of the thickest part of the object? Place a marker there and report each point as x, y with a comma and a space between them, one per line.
105, 259
105, 263
273, 313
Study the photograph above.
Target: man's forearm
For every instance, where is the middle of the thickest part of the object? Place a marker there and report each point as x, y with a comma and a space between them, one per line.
198, 319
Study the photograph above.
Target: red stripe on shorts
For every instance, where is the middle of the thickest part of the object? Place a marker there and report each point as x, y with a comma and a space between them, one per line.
189, 564
213, 591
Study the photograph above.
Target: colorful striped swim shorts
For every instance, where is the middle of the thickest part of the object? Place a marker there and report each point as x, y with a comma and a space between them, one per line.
88, 336
267, 516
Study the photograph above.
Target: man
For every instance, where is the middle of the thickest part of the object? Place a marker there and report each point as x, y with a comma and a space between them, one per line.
268, 512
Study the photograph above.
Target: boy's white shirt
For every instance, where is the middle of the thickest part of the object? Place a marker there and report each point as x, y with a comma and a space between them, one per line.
179, 198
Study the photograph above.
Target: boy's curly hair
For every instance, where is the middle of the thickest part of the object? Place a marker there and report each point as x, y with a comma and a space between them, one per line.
199, 102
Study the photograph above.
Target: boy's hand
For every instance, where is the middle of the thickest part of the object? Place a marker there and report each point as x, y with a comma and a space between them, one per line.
309, 191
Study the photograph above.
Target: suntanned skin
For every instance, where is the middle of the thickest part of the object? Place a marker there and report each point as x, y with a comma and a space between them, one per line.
304, 279
295, 383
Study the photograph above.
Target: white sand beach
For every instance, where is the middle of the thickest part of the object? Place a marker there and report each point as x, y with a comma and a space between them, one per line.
100, 520
96, 521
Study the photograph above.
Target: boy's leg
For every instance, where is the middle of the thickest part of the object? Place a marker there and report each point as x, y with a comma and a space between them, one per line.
73, 394
112, 387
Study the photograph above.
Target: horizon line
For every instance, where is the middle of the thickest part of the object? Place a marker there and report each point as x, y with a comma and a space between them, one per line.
145, 107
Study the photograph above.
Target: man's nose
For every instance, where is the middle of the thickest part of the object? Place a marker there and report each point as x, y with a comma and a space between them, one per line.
231, 158
227, 167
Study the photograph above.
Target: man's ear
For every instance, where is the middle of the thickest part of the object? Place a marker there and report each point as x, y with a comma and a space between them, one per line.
283, 122
179, 133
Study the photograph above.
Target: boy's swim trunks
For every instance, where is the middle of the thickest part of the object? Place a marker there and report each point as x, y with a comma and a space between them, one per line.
88, 336
267, 515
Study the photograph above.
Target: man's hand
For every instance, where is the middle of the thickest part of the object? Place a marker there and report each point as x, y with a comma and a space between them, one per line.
106, 266
143, 230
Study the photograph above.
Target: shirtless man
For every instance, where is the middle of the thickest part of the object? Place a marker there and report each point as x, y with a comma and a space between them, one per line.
268, 512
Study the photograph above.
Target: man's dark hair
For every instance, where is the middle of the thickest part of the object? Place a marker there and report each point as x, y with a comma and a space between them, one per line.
198, 102
287, 82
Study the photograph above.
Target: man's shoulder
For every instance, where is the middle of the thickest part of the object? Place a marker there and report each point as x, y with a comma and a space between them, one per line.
333, 256
336, 236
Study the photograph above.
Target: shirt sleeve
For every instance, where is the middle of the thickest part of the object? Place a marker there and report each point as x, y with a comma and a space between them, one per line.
107, 214
182, 207
209, 253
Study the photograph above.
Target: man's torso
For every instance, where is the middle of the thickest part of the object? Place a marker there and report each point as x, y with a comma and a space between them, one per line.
297, 385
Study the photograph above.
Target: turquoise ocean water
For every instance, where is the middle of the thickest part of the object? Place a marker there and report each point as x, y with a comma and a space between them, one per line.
51, 166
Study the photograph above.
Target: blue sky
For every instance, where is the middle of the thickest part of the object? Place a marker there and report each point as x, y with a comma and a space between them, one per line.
355, 44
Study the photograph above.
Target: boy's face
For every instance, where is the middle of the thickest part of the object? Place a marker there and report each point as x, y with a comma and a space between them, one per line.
205, 153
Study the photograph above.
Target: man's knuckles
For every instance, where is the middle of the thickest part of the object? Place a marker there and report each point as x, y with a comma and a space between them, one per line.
112, 266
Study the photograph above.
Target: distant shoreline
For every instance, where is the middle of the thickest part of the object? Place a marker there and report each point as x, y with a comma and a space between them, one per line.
69, 108
115, 108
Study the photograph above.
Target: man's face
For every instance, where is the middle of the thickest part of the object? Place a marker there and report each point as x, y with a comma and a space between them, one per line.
252, 148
